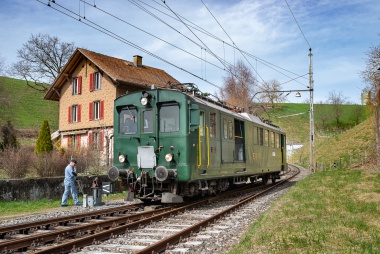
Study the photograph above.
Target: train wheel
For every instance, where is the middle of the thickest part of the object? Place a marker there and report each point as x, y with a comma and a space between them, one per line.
273, 178
264, 179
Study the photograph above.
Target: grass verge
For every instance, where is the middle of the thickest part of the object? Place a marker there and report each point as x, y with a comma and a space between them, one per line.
15, 209
329, 212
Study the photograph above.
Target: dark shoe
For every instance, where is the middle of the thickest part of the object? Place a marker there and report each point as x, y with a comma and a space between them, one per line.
79, 204
64, 205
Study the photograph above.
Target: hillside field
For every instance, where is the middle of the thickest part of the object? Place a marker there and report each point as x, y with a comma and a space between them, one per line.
24, 106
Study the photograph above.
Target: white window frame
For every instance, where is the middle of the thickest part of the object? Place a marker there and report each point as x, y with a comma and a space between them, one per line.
75, 86
96, 110
74, 113
97, 81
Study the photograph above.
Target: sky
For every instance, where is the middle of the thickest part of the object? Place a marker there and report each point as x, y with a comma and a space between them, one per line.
193, 40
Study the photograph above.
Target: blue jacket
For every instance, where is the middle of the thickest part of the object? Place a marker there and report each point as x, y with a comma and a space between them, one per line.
70, 174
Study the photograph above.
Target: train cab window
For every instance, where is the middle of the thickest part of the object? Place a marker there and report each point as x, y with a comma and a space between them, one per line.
278, 144
148, 121
128, 121
169, 117
201, 123
212, 125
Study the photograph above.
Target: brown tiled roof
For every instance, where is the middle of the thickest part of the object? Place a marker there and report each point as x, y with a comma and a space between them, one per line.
122, 70
119, 70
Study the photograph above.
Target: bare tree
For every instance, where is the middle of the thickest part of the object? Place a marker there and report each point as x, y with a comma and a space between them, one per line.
337, 100
2, 65
239, 86
41, 60
272, 96
371, 76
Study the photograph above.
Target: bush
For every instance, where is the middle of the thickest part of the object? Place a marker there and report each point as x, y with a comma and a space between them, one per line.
9, 137
44, 144
16, 162
50, 164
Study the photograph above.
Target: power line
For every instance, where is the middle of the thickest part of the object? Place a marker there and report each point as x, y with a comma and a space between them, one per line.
117, 37
297, 24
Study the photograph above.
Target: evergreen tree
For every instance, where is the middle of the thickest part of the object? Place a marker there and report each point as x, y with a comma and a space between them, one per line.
44, 143
9, 137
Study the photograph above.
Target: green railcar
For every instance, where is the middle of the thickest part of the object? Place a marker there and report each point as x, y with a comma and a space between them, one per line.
169, 144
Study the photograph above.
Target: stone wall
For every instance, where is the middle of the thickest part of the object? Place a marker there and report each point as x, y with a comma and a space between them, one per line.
45, 188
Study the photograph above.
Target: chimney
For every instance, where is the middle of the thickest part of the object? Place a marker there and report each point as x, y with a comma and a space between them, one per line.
137, 60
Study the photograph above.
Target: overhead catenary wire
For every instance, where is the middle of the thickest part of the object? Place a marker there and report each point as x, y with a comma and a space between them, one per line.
119, 38
297, 23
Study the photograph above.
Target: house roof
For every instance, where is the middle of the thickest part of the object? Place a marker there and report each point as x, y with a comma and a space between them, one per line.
120, 71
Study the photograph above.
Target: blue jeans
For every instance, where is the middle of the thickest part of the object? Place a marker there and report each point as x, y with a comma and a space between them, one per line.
70, 187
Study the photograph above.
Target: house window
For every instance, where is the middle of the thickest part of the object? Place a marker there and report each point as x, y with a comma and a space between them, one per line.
77, 85
95, 81
96, 110
74, 142
74, 113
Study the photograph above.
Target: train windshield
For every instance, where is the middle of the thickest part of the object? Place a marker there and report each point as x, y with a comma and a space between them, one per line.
169, 117
128, 120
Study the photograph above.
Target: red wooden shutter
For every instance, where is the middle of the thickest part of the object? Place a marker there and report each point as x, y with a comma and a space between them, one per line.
90, 111
79, 84
101, 140
79, 112
91, 82
101, 109
69, 115
78, 141
90, 138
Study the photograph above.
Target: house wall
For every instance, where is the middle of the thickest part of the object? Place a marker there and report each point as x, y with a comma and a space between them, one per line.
106, 93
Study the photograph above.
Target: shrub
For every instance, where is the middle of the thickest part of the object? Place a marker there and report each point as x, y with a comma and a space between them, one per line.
16, 162
44, 144
9, 137
50, 164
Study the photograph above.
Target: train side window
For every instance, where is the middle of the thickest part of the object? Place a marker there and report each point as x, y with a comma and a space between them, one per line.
169, 117
201, 123
278, 140
212, 125
255, 136
261, 136
266, 137
272, 139
225, 128
148, 121
230, 130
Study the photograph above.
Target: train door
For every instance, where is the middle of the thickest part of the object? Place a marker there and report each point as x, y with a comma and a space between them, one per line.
239, 141
213, 140
203, 158
227, 139
283, 152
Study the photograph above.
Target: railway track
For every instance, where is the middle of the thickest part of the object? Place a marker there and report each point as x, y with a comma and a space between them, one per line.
127, 229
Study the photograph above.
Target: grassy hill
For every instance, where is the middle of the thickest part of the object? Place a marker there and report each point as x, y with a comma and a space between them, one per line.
24, 106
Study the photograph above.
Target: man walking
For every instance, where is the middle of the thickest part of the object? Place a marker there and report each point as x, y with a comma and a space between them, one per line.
69, 182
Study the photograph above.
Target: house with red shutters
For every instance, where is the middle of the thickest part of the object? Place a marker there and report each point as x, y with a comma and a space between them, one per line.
86, 89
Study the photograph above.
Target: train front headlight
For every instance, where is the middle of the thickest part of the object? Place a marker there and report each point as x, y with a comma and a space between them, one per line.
122, 158
144, 101
169, 157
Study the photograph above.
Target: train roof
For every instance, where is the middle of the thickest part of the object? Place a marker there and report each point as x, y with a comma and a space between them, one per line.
243, 115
